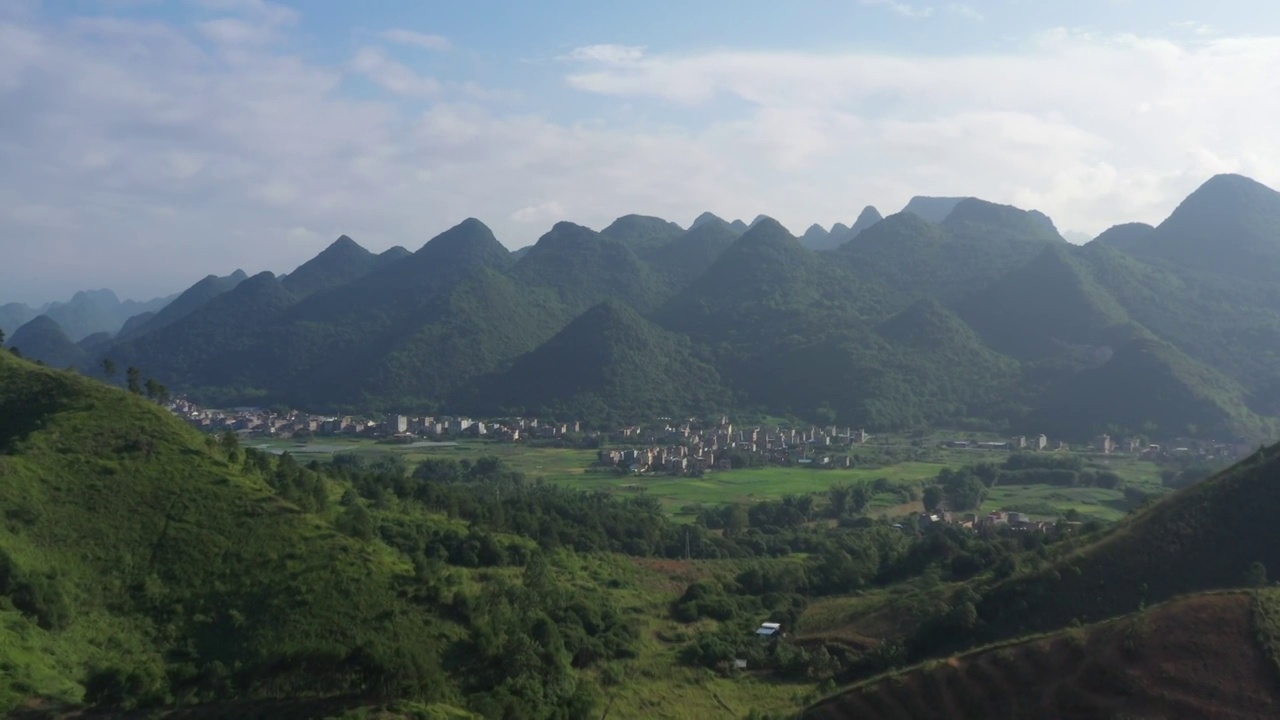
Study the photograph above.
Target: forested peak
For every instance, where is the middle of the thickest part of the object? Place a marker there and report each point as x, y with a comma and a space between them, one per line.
932, 209
868, 217
42, 326
707, 217
238, 276
642, 231
102, 296
469, 240
926, 323
565, 235
343, 261
900, 228
45, 340
816, 231
1229, 212
767, 238
840, 229
1124, 236
393, 254
972, 216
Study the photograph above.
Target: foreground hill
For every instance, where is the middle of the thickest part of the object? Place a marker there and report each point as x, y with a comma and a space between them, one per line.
1204, 537
134, 555
1198, 657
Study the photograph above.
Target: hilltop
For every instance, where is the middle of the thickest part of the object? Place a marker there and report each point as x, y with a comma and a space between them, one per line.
43, 339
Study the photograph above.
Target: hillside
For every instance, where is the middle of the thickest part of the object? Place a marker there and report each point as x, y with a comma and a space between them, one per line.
685, 258
1045, 308
44, 340
187, 302
977, 244
144, 565
868, 217
932, 209
150, 558
338, 264
1229, 225
1195, 657
1125, 237
1202, 538
1149, 386
642, 232
197, 347
608, 365
584, 267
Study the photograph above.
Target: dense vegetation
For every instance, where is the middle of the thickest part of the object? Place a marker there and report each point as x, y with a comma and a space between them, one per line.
956, 311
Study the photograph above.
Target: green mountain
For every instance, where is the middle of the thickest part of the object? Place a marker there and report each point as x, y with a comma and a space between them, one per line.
1126, 236
1229, 225
188, 301
338, 264
816, 237
1202, 538
687, 257
584, 267
43, 339
932, 209
1148, 386
391, 255
976, 244
642, 232
198, 347
1047, 307
607, 365
868, 217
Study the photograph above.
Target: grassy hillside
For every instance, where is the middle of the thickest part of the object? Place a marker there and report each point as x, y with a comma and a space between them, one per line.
1204, 537
1194, 657
139, 561
143, 564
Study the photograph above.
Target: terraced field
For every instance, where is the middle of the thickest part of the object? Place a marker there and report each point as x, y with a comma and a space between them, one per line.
1197, 657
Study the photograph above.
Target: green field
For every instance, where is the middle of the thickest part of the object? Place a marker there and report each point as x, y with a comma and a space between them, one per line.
680, 495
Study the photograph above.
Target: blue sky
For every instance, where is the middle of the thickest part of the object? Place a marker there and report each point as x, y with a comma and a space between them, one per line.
146, 143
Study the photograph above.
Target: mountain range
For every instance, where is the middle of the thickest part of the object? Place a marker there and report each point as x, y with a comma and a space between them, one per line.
954, 311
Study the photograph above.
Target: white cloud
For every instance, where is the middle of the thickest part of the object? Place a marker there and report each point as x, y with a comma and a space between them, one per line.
965, 11
422, 40
391, 75
901, 8
122, 138
610, 54
547, 212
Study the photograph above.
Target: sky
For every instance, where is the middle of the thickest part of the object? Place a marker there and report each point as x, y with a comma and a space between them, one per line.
147, 143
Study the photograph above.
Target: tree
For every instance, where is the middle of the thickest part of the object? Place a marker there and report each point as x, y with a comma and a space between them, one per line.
133, 378
1256, 575
109, 367
932, 498
1, 337
150, 387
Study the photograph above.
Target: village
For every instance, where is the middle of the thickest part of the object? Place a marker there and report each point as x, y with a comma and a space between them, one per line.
677, 448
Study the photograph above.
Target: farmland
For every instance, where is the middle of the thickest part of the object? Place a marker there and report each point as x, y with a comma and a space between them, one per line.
684, 496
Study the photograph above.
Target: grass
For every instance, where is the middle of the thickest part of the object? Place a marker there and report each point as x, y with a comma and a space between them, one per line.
654, 684
682, 495
1042, 501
